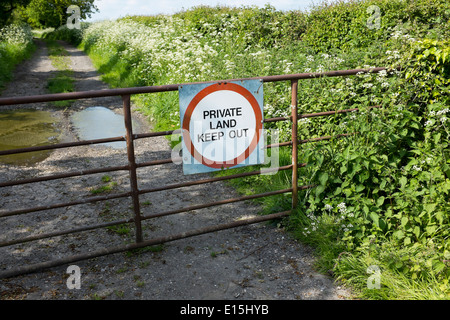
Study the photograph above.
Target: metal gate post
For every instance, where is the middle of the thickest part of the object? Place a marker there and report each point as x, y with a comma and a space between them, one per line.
132, 166
294, 113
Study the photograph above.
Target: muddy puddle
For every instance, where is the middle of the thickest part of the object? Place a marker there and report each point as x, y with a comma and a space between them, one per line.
100, 122
27, 128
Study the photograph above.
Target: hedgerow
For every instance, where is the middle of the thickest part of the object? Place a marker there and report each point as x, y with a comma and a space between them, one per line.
16, 44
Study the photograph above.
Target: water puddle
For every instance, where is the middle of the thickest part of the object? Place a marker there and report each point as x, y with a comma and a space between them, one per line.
27, 128
100, 122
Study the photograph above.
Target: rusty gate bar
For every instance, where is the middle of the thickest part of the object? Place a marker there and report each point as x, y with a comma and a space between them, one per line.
118, 222
326, 137
145, 243
61, 145
329, 113
66, 204
63, 175
65, 232
132, 167
156, 134
215, 179
174, 87
294, 130
216, 203
128, 194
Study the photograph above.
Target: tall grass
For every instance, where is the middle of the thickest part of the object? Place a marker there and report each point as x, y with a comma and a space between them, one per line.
16, 44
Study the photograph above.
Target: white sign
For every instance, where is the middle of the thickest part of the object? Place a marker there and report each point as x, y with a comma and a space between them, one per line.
222, 125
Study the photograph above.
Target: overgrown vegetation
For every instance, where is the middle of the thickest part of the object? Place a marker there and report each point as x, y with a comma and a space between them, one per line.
382, 194
62, 81
16, 44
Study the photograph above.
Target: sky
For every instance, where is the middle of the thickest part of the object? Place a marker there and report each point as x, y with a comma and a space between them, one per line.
113, 9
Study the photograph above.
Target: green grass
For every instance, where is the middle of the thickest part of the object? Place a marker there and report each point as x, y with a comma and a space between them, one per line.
10, 56
62, 81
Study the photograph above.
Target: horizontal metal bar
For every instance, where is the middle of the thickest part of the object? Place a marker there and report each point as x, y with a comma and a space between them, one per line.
61, 233
100, 198
276, 119
61, 145
172, 87
87, 142
328, 113
210, 180
156, 134
326, 137
280, 144
317, 114
122, 248
66, 204
63, 175
156, 162
221, 202
287, 143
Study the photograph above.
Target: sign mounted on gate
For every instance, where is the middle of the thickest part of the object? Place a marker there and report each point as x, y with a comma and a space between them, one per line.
222, 125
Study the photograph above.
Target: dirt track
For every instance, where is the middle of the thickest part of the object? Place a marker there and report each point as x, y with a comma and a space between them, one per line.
253, 262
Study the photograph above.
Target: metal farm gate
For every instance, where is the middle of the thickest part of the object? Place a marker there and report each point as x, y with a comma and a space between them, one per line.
132, 166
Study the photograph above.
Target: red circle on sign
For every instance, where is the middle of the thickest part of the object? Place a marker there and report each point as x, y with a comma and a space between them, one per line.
187, 119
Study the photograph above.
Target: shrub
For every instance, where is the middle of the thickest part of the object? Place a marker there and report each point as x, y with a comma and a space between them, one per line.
16, 44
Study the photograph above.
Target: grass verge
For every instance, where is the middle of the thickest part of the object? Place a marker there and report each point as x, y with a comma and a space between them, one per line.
10, 56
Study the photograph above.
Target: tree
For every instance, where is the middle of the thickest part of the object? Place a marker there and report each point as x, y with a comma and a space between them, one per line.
7, 8
53, 13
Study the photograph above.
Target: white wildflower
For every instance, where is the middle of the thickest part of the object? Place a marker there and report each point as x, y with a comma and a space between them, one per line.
305, 120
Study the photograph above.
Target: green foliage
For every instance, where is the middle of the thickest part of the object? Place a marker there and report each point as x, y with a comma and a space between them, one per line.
7, 10
16, 44
344, 25
53, 13
73, 36
390, 183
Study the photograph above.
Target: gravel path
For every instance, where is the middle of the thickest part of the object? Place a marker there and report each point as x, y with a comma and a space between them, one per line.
253, 262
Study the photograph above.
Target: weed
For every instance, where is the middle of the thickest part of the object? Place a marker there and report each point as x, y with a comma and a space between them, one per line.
121, 229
